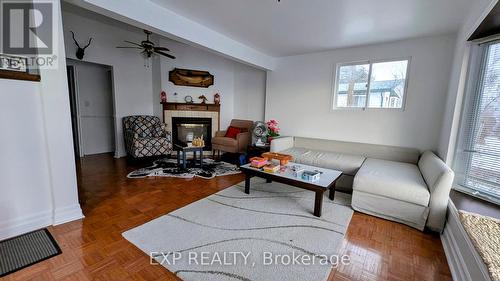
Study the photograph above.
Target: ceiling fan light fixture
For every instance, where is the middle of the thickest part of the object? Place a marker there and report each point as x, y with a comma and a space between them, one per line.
148, 48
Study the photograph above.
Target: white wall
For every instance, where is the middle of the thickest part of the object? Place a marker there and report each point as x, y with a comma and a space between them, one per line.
37, 168
457, 80
25, 190
157, 81
249, 93
132, 81
299, 94
240, 86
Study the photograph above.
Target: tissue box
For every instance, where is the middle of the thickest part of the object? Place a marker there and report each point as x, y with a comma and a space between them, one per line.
296, 170
310, 175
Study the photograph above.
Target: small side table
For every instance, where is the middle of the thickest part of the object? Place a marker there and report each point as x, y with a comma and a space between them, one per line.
184, 150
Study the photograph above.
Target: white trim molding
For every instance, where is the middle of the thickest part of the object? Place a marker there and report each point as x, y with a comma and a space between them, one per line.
18, 226
463, 259
24, 224
67, 214
454, 257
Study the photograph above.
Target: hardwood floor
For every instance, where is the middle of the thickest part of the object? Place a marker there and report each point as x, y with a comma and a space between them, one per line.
93, 248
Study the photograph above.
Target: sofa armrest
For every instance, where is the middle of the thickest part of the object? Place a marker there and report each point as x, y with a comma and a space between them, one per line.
282, 143
439, 179
220, 133
243, 141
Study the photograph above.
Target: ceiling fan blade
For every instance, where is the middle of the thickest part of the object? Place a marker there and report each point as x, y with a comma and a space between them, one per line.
165, 54
120, 47
161, 49
133, 43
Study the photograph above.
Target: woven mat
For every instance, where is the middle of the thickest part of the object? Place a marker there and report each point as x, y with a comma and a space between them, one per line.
485, 235
25, 250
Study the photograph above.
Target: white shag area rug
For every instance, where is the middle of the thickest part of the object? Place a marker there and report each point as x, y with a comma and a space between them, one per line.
485, 235
269, 234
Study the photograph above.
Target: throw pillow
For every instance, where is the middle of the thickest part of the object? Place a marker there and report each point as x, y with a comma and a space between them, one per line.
232, 132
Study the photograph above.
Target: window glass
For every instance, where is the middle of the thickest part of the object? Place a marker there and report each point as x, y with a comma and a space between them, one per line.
387, 84
477, 161
352, 87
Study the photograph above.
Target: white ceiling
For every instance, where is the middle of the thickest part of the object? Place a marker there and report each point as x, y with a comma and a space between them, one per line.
303, 26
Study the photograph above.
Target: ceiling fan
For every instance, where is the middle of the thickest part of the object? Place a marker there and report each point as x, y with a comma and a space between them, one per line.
148, 48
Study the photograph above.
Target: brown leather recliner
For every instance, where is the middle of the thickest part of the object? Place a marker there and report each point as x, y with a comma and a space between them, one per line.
238, 145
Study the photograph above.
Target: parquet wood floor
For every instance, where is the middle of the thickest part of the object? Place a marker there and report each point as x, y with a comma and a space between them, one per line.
93, 248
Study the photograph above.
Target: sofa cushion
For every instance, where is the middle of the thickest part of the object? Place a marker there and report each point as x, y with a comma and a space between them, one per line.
348, 164
396, 180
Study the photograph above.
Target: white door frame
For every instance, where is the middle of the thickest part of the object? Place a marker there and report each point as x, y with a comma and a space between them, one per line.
74, 63
77, 108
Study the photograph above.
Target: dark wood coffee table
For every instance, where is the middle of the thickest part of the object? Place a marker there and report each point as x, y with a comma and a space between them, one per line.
184, 149
326, 182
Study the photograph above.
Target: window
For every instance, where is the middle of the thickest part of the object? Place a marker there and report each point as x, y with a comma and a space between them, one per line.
477, 158
379, 84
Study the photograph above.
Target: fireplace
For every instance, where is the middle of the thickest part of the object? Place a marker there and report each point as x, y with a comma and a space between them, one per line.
184, 129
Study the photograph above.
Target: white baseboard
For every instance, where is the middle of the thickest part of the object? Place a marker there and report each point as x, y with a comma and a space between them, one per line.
24, 224
67, 214
18, 226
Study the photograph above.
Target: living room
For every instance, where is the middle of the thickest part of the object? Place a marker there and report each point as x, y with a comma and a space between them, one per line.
169, 141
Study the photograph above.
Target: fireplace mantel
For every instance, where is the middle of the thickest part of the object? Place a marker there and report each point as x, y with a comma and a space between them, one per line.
191, 106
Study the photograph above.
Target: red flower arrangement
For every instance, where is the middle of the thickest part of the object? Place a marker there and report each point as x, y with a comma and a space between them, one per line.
273, 129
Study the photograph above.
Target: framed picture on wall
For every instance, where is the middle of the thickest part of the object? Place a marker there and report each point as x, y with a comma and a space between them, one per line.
17, 68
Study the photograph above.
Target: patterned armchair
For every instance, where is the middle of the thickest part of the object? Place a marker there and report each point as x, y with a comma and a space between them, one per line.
146, 136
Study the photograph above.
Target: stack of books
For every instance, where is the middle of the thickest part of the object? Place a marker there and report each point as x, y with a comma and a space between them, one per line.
258, 162
271, 168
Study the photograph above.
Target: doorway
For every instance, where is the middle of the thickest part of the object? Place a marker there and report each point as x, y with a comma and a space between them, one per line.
92, 107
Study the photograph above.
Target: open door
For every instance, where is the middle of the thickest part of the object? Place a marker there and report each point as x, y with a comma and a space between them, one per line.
74, 109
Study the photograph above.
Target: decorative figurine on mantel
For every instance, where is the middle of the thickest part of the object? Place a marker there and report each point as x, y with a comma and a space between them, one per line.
217, 98
203, 99
163, 97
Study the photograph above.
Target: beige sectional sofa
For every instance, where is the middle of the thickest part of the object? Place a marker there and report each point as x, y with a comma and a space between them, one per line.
394, 183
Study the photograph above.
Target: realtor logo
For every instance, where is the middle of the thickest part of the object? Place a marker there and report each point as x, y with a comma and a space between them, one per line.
27, 27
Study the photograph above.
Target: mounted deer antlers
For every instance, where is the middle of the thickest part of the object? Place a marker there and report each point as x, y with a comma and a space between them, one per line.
80, 52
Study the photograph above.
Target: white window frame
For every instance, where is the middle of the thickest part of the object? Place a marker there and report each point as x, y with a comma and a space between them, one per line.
336, 83
474, 80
